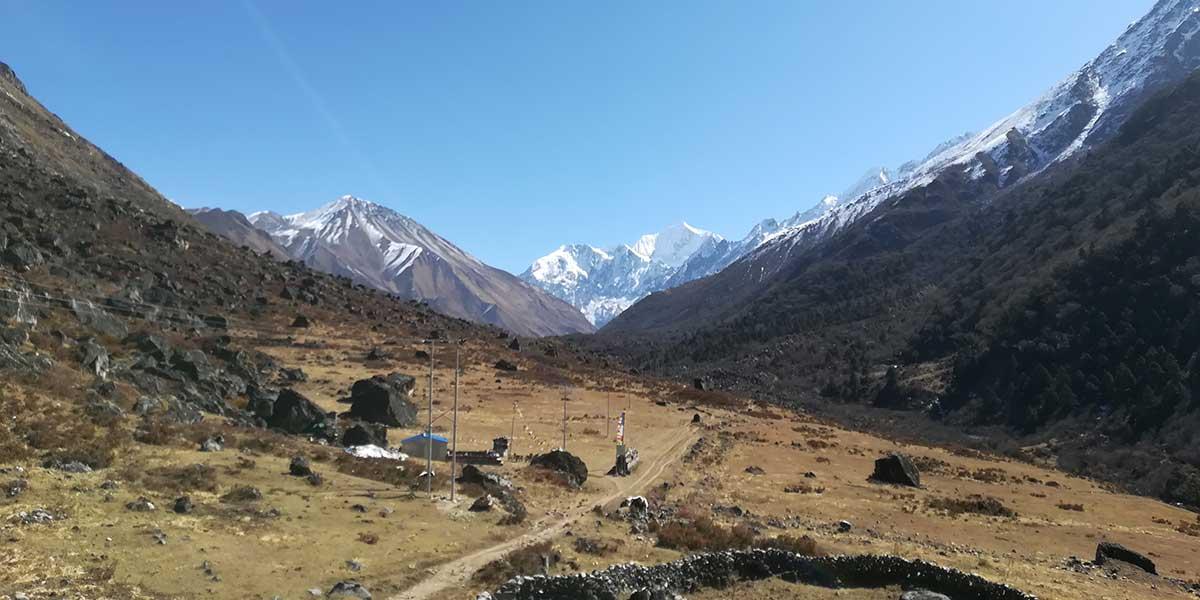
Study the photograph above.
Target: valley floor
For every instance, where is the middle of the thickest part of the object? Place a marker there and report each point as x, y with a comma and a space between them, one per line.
743, 465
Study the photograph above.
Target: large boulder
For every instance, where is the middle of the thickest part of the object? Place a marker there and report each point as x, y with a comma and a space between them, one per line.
896, 469
1107, 551
365, 434
492, 483
294, 413
560, 461
384, 400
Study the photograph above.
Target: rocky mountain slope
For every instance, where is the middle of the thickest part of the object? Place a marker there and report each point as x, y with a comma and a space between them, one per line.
1001, 308
1083, 110
377, 246
235, 227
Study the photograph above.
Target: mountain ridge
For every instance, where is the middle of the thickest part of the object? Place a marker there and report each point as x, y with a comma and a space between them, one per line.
377, 246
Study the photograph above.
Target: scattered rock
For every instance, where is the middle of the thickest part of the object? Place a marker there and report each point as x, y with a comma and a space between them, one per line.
515, 344
349, 589
1106, 551
15, 488
560, 461
923, 595
94, 358
365, 434
315, 479
755, 470
301, 321
483, 503
844, 526
300, 467
183, 505
215, 443
141, 505
354, 565
896, 469
37, 515
504, 365
701, 384
378, 353
696, 419
243, 493
70, 466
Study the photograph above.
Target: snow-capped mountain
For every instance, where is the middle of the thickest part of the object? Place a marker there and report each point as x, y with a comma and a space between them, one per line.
375, 245
1080, 111
602, 283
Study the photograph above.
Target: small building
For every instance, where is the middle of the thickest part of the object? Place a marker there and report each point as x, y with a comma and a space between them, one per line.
417, 446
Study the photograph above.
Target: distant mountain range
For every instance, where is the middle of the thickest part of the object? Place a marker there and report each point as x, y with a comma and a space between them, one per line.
380, 247
1084, 109
603, 282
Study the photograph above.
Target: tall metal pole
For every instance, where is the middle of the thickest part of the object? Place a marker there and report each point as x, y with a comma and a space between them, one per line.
607, 415
454, 428
429, 429
512, 438
564, 445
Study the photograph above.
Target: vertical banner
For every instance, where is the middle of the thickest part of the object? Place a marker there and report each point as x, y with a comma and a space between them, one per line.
621, 428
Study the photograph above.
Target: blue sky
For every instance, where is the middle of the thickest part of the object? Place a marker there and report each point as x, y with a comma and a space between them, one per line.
513, 127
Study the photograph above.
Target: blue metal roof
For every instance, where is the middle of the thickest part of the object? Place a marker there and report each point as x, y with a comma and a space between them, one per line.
422, 436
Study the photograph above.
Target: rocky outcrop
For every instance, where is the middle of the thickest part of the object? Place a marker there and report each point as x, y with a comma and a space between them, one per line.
896, 469
719, 570
572, 468
1107, 551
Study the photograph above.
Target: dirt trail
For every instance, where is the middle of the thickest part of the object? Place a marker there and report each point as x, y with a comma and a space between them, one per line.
458, 571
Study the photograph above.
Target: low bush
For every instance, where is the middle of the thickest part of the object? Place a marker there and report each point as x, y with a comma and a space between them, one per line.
530, 560
973, 504
797, 544
701, 533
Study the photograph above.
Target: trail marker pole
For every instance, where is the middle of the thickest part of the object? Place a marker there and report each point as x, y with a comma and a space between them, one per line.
454, 428
429, 430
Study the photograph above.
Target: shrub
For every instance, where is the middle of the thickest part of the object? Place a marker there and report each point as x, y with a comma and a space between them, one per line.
701, 533
596, 546
974, 504
530, 560
175, 480
796, 544
1068, 506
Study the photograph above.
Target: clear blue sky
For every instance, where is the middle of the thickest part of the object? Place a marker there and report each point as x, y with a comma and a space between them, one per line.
513, 127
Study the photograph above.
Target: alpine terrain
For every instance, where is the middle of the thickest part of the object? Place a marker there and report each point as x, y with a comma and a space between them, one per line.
377, 246
604, 282
1002, 284
975, 375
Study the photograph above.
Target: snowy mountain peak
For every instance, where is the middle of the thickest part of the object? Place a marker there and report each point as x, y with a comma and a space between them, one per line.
1085, 108
376, 245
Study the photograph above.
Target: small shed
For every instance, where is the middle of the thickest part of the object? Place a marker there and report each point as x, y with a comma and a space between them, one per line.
417, 446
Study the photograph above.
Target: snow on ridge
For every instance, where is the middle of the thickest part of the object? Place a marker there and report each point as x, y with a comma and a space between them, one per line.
1117, 75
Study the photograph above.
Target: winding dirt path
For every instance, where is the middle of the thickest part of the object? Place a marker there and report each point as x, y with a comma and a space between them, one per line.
459, 570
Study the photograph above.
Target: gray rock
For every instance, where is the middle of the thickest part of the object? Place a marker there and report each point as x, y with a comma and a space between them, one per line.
923, 595
183, 505
141, 505
300, 467
483, 503
349, 589
1107, 551
896, 469
97, 319
215, 443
